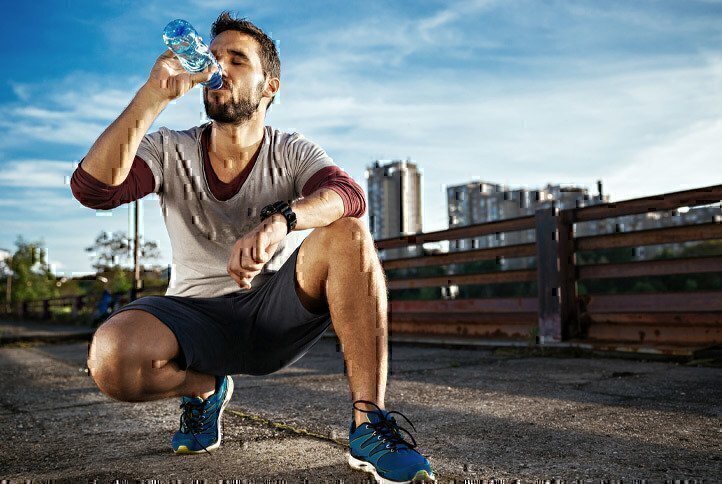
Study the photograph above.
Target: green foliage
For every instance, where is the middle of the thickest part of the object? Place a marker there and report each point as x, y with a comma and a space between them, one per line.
703, 249
119, 280
31, 275
648, 284
617, 255
71, 287
465, 291
110, 248
509, 289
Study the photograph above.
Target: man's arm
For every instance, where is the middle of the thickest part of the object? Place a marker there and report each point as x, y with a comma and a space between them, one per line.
251, 252
321, 208
95, 194
111, 156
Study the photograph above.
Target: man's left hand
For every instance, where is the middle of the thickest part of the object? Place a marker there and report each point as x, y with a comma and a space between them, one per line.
251, 252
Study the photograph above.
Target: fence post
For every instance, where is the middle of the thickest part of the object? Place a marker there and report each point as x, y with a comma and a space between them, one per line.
548, 277
567, 275
75, 306
46, 309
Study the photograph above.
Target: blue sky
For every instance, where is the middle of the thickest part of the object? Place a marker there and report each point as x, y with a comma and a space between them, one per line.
515, 91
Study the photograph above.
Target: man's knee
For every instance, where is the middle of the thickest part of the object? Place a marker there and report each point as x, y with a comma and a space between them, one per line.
346, 233
114, 360
351, 226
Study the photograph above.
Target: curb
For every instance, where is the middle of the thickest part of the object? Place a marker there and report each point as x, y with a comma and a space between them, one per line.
46, 337
712, 355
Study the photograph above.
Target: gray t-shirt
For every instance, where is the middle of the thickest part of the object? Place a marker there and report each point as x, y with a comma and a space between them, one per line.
202, 229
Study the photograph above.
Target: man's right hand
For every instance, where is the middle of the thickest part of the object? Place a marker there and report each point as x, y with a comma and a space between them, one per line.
168, 79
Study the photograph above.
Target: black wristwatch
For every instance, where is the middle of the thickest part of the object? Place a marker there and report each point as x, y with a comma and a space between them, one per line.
284, 209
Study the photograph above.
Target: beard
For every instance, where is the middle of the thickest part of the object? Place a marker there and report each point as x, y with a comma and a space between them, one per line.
232, 111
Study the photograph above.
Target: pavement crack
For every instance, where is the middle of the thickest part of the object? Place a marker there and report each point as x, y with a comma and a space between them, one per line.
75, 405
13, 409
342, 443
286, 427
447, 367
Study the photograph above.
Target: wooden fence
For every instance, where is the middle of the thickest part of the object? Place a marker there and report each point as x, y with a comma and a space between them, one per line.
43, 309
558, 312
46, 309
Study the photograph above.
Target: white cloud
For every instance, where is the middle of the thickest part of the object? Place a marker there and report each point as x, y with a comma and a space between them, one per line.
36, 173
690, 159
570, 129
64, 114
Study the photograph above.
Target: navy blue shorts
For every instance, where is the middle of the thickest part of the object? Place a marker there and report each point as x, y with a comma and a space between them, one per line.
255, 332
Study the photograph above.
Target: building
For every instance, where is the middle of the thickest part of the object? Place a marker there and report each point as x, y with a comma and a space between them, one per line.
481, 202
394, 203
656, 220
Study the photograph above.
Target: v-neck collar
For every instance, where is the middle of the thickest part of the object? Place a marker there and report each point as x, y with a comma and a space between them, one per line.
211, 178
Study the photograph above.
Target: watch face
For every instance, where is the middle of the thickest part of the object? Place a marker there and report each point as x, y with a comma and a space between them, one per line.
284, 209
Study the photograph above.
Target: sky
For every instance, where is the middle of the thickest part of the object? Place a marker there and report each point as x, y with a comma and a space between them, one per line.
517, 92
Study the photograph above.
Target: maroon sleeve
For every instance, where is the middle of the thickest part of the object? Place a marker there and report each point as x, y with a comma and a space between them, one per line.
334, 178
93, 193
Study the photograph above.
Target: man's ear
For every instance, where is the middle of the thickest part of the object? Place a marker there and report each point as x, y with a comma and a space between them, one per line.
272, 87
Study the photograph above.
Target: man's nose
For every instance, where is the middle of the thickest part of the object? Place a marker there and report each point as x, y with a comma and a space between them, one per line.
224, 65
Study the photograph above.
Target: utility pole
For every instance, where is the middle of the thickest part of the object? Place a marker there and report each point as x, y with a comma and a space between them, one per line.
9, 285
136, 253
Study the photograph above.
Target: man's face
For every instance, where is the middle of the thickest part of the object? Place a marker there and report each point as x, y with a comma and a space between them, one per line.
243, 81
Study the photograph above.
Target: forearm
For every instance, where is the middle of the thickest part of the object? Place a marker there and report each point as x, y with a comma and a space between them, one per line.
111, 156
321, 208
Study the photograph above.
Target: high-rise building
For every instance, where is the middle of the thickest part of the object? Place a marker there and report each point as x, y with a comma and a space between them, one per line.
394, 203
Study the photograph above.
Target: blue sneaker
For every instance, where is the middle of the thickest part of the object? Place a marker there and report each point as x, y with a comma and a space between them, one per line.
377, 447
200, 422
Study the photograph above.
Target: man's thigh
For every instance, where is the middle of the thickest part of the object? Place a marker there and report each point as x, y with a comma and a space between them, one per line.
206, 331
283, 329
125, 336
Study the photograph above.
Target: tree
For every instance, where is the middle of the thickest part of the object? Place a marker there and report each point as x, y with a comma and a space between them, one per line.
109, 249
30, 272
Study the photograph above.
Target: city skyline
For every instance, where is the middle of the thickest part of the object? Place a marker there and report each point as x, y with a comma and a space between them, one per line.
516, 92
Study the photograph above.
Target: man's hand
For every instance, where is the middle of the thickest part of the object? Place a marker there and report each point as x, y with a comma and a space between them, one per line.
168, 80
251, 252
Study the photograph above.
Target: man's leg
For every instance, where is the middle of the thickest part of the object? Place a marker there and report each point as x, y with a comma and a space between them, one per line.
131, 359
338, 265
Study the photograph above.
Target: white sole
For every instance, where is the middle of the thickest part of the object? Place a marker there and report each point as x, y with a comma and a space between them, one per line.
362, 465
229, 394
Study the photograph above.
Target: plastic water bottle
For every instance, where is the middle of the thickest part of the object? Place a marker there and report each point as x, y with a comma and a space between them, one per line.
194, 55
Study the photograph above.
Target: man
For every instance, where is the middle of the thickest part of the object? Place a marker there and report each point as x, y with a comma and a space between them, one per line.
234, 194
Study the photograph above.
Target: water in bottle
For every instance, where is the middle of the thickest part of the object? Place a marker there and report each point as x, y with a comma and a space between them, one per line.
194, 55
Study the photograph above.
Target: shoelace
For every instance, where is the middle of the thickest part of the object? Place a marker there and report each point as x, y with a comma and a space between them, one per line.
387, 428
192, 419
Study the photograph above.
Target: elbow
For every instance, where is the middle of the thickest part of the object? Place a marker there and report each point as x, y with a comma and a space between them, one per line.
362, 211
88, 198
353, 199
360, 205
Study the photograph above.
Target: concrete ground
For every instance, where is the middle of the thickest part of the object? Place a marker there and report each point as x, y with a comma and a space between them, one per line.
478, 414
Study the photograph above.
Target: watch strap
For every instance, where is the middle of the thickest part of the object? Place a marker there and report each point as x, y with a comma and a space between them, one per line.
284, 209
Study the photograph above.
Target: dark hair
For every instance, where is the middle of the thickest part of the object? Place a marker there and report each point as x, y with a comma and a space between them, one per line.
270, 62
